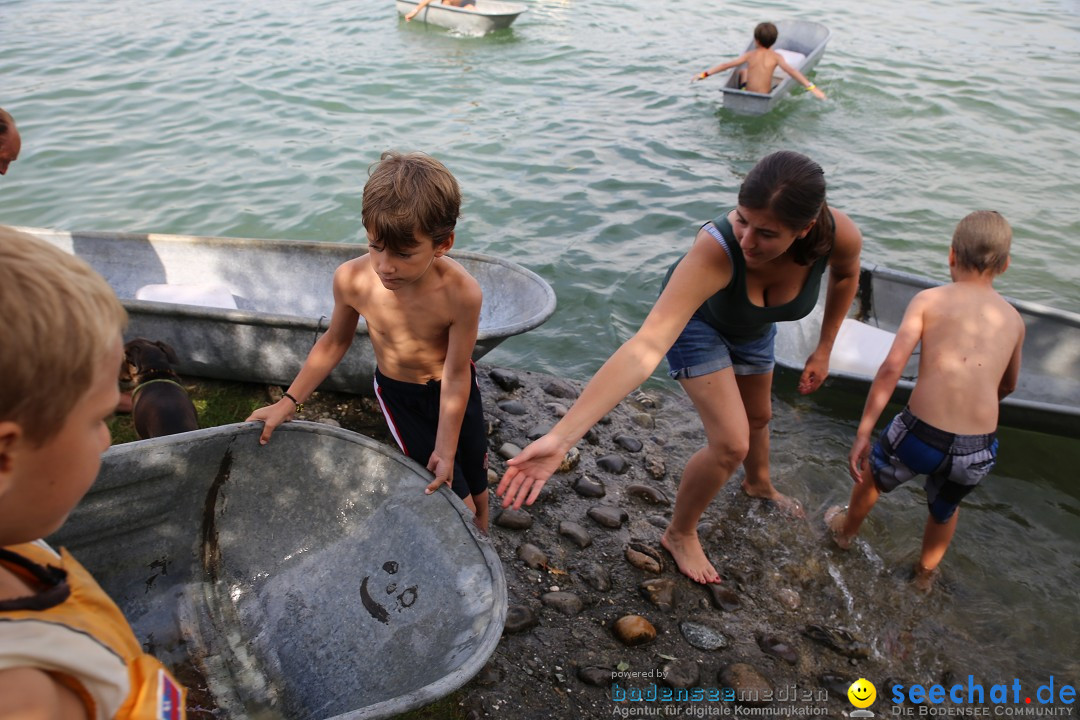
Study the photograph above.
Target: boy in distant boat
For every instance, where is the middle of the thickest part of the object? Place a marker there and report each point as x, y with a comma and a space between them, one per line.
971, 341
422, 311
468, 4
761, 63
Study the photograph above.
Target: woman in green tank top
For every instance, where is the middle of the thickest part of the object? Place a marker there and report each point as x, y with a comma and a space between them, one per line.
757, 265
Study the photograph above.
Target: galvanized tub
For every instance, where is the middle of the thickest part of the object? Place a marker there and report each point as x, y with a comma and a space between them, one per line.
310, 578
486, 16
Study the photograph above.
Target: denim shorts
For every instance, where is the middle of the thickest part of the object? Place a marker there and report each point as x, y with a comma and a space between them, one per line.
701, 350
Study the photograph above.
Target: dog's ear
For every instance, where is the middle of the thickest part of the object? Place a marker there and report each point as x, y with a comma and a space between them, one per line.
170, 354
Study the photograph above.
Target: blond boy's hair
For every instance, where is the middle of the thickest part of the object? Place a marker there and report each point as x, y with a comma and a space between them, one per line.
981, 242
60, 318
406, 193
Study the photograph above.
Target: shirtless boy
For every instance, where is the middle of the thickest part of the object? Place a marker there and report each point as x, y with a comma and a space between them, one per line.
466, 4
971, 340
761, 63
422, 311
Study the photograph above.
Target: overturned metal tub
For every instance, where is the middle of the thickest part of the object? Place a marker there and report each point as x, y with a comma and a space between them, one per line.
308, 578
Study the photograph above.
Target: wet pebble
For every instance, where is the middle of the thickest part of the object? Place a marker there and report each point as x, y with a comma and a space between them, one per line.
658, 521
596, 575
839, 640
648, 494
532, 556
643, 399
836, 684
519, 618
608, 516
567, 603
570, 460
629, 443
644, 420
682, 673
747, 683
505, 379
595, 675
703, 637
585, 486
789, 598
578, 534
538, 431
614, 464
660, 592
644, 558
654, 465
634, 630
723, 597
557, 409
513, 407
514, 519
508, 450
560, 389
778, 648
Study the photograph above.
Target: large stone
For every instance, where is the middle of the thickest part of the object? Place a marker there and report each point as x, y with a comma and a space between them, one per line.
749, 684
519, 618
508, 450
629, 443
585, 486
614, 464
608, 516
644, 558
569, 461
648, 493
634, 630
513, 407
724, 597
596, 575
567, 603
514, 519
660, 592
532, 556
560, 389
703, 637
575, 532
505, 379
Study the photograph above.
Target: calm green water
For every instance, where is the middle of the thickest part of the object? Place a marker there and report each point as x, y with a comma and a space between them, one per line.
585, 154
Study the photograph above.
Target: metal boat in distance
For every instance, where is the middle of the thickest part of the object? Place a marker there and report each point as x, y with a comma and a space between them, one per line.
804, 37
1047, 397
310, 578
483, 17
250, 310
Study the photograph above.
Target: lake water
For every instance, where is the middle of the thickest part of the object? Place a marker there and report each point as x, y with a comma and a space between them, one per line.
585, 154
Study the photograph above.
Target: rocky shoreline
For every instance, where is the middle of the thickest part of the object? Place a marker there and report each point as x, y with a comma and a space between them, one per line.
597, 608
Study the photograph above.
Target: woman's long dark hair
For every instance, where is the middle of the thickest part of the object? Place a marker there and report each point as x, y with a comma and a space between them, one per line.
792, 187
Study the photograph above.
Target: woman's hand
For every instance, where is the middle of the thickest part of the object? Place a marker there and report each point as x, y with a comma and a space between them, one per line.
525, 478
815, 371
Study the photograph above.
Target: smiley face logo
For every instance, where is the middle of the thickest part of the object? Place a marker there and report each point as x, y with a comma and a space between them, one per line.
862, 693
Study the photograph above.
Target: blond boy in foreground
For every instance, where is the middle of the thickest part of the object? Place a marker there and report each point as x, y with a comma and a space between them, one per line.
66, 650
423, 315
761, 63
971, 340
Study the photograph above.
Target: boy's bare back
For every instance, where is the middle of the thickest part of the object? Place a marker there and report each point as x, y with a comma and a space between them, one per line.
410, 325
971, 340
761, 64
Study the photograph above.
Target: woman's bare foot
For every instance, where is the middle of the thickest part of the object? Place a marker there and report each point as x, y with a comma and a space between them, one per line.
789, 505
690, 557
835, 517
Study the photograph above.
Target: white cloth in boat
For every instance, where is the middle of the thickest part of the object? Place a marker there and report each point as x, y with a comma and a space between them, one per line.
860, 348
212, 296
793, 58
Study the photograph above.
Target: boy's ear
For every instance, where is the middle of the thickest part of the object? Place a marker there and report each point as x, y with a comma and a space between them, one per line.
11, 435
444, 247
952, 256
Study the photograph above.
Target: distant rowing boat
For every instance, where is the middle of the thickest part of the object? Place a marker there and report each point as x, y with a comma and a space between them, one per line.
307, 578
250, 310
484, 17
1047, 397
803, 43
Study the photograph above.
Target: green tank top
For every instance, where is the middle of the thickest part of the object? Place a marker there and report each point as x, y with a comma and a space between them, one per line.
730, 310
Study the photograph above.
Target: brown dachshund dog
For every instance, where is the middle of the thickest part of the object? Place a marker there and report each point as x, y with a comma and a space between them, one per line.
160, 404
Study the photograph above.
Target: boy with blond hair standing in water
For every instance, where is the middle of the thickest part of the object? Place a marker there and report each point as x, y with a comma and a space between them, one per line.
971, 340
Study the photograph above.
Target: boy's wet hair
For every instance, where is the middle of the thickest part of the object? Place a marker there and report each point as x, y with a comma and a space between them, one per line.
982, 241
792, 187
765, 33
407, 193
60, 320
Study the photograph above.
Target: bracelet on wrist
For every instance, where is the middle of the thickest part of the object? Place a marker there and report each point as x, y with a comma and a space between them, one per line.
811, 86
299, 405
704, 74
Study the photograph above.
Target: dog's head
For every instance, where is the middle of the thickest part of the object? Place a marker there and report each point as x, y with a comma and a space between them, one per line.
142, 357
